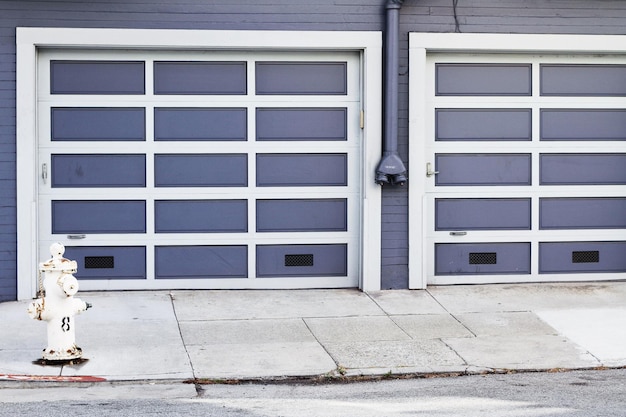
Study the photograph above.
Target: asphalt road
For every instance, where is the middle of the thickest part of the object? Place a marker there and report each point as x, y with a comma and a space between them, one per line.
580, 394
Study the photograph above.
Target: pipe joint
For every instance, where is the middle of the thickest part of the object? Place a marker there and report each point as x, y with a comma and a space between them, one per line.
394, 4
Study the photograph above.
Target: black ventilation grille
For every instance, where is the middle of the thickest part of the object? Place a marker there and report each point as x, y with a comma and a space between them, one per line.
99, 262
299, 260
482, 258
585, 257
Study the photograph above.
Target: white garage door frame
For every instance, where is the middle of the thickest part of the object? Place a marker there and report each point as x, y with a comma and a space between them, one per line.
421, 47
30, 40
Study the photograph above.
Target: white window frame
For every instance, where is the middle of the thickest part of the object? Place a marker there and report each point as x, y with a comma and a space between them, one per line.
29, 40
422, 44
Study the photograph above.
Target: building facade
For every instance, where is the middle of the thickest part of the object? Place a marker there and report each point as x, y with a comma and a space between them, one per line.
266, 144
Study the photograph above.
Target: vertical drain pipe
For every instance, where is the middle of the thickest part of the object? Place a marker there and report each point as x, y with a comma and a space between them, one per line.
390, 169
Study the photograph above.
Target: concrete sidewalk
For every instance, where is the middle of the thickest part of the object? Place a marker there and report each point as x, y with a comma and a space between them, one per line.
182, 335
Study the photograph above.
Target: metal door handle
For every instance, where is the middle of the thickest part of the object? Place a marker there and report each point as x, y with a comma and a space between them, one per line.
76, 237
429, 171
458, 233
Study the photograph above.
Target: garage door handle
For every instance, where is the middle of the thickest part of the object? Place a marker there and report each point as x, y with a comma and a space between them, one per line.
429, 171
458, 233
76, 237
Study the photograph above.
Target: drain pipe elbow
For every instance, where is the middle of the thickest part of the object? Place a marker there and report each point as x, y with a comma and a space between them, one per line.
390, 169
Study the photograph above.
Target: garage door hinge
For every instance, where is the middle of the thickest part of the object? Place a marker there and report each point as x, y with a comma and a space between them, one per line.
362, 119
44, 172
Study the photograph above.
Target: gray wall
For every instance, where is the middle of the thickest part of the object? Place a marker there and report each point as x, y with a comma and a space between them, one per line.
487, 16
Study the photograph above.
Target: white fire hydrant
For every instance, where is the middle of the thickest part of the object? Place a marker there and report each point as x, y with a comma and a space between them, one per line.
58, 306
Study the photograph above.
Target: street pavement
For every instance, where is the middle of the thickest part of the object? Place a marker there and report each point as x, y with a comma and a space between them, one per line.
224, 335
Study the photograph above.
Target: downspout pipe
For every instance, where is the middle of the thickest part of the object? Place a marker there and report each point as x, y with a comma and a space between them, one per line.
390, 169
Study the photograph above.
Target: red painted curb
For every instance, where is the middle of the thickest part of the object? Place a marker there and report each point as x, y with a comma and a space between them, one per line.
51, 378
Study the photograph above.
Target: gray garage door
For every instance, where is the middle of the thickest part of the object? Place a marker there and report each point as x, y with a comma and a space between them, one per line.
201, 170
526, 175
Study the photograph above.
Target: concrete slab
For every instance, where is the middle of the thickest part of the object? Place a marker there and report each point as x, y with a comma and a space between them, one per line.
355, 329
528, 297
245, 331
22, 341
529, 352
260, 304
130, 336
134, 363
19, 331
116, 336
20, 362
601, 331
505, 324
431, 326
395, 356
260, 360
127, 306
399, 302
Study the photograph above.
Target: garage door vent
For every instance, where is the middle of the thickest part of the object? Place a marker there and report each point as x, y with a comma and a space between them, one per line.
299, 260
585, 257
99, 262
482, 258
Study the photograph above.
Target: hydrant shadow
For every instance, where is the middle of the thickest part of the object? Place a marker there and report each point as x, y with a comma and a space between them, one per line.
78, 362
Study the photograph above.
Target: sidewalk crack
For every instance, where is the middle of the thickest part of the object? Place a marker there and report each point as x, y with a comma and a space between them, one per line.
450, 313
338, 367
182, 339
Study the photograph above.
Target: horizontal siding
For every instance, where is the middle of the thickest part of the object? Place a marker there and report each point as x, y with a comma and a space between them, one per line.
8, 254
478, 16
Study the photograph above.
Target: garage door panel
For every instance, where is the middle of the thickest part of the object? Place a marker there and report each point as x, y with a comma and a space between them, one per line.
483, 124
301, 78
482, 258
583, 80
200, 124
581, 257
582, 169
98, 124
301, 170
482, 214
103, 170
200, 78
103, 216
302, 215
97, 77
108, 262
483, 169
581, 124
202, 261
201, 170
302, 260
483, 79
300, 124
201, 216
582, 213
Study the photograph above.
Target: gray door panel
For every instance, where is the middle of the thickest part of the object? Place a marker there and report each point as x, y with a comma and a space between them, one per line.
482, 258
568, 257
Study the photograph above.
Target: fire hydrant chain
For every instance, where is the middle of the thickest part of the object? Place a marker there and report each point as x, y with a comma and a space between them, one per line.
56, 305
41, 292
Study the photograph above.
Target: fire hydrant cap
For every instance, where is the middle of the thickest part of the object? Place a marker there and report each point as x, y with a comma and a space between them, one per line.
70, 285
